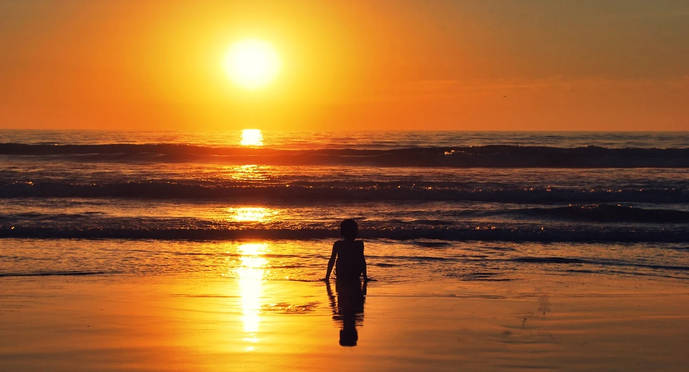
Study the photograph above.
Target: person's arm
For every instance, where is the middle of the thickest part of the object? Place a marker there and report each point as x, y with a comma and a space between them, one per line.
331, 262
331, 297
363, 262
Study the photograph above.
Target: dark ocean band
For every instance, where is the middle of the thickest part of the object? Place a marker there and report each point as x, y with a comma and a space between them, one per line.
494, 156
486, 233
308, 193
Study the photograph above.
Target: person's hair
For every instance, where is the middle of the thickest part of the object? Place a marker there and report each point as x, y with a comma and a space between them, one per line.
348, 337
349, 229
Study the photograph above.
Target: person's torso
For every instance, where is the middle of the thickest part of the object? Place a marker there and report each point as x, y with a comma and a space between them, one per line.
349, 259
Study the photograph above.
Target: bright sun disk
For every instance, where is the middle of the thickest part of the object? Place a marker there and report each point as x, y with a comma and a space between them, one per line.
252, 63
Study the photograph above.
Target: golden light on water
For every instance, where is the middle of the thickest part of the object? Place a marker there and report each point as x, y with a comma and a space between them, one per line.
250, 273
252, 63
248, 172
251, 137
252, 214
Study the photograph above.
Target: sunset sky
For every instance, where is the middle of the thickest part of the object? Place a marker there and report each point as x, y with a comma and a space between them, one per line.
459, 65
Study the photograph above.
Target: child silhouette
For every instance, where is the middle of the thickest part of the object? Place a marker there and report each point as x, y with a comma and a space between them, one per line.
348, 254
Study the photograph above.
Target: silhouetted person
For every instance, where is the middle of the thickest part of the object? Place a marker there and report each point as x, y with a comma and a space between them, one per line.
350, 265
349, 253
348, 308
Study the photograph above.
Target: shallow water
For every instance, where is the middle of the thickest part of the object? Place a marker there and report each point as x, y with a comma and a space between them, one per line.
543, 201
304, 261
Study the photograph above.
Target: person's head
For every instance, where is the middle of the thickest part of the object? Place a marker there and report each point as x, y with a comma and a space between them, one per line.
349, 229
348, 336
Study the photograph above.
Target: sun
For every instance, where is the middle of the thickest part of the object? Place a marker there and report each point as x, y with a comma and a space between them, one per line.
251, 137
252, 63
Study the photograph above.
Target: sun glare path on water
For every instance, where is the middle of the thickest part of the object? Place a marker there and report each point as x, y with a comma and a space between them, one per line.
252, 214
250, 274
252, 137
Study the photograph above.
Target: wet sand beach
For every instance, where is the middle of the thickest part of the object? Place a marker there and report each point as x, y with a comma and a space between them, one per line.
177, 323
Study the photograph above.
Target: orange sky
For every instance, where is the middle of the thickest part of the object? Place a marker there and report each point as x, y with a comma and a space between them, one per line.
462, 65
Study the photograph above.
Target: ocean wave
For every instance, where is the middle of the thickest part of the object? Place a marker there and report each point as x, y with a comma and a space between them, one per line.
606, 213
313, 192
56, 273
500, 156
599, 262
511, 233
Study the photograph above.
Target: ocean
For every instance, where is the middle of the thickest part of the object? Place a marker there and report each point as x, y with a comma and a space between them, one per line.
451, 206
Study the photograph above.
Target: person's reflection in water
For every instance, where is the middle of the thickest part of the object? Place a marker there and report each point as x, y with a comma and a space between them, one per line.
348, 308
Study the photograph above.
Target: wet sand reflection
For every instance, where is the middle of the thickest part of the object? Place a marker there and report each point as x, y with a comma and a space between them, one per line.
250, 273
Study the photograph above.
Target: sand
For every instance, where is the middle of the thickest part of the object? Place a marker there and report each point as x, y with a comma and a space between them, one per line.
174, 323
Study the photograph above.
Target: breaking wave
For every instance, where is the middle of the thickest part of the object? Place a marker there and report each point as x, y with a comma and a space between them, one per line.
315, 191
462, 232
498, 156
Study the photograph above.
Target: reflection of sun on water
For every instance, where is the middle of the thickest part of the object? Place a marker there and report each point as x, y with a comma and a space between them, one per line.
251, 137
250, 274
252, 214
248, 172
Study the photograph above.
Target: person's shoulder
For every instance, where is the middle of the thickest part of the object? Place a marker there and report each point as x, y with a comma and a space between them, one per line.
359, 243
